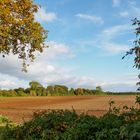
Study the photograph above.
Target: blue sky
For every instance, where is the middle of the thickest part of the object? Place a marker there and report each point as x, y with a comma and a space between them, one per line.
87, 40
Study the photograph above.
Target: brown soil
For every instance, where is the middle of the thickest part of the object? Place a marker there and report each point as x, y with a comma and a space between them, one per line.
19, 109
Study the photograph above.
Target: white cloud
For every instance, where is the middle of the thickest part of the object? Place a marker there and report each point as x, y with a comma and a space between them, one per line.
48, 74
120, 86
108, 40
124, 14
56, 76
135, 11
11, 65
57, 49
43, 16
114, 48
107, 37
43, 72
40, 70
7, 83
116, 30
126, 82
116, 2
131, 11
92, 18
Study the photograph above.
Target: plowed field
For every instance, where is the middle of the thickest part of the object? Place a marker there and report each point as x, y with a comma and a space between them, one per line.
19, 109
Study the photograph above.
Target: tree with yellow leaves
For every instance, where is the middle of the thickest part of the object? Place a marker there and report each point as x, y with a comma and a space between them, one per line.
20, 34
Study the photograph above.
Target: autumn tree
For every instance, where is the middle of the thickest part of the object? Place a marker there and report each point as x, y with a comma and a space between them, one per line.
71, 91
41, 91
50, 90
98, 90
136, 49
87, 91
79, 91
35, 88
61, 89
20, 34
34, 85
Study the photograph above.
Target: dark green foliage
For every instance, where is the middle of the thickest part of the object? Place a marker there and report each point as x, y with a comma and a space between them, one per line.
3, 119
8, 93
13, 93
50, 90
21, 92
71, 91
61, 89
41, 91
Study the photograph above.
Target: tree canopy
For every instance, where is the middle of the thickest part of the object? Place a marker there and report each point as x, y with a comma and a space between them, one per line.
34, 85
20, 34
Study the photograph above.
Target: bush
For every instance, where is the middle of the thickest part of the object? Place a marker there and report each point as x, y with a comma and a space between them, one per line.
21, 93
3, 119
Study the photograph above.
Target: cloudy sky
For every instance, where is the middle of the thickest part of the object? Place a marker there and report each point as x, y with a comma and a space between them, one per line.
87, 40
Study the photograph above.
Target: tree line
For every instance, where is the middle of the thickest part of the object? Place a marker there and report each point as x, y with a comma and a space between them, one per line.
36, 89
